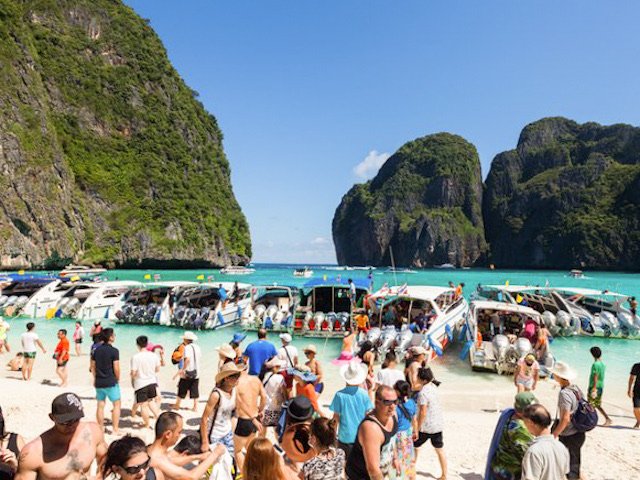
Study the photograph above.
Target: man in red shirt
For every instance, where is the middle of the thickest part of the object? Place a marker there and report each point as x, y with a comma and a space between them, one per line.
61, 356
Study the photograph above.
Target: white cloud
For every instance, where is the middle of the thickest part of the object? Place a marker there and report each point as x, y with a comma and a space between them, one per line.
368, 167
320, 241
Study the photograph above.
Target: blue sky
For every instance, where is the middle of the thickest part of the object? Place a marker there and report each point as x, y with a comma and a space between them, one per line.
312, 95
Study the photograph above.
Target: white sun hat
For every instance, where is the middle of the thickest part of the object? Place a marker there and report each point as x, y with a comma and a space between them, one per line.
354, 373
563, 370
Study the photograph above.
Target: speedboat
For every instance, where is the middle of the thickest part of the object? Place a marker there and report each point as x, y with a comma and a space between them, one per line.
152, 303
82, 272
237, 270
305, 272
576, 274
399, 270
445, 266
271, 307
60, 299
18, 289
498, 334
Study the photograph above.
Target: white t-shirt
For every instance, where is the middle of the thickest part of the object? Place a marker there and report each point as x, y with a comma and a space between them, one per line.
434, 420
144, 363
273, 389
29, 341
293, 353
389, 376
194, 364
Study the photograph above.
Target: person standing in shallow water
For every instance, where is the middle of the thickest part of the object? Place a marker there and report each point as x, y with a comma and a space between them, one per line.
29, 341
61, 356
596, 383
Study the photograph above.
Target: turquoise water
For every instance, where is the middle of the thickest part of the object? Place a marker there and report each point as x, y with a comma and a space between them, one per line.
619, 354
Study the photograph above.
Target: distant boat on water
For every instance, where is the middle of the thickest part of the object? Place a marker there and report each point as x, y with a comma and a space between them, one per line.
445, 266
81, 271
305, 272
237, 270
399, 270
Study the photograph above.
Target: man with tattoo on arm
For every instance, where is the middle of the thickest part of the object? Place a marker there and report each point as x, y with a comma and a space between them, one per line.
67, 449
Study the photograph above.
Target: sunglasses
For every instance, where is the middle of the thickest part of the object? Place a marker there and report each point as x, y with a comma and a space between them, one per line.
388, 403
136, 468
69, 423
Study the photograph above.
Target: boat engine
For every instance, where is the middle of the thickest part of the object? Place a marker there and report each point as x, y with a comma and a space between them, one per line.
373, 335
386, 341
501, 346
563, 320
341, 322
522, 347
318, 320
248, 317
625, 320
404, 340
609, 322
3, 300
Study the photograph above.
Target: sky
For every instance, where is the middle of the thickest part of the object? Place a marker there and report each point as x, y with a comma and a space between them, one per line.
313, 96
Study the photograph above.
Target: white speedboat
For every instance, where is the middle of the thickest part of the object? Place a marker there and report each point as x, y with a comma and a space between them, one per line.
271, 307
237, 270
60, 299
399, 270
18, 289
82, 272
305, 272
576, 274
152, 303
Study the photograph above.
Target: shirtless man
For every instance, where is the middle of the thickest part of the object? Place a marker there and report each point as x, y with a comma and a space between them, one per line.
66, 450
251, 399
168, 430
418, 357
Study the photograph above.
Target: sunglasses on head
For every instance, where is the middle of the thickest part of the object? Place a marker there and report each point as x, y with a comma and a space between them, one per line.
136, 468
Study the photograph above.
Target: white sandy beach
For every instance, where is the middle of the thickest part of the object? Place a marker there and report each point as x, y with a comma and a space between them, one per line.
471, 406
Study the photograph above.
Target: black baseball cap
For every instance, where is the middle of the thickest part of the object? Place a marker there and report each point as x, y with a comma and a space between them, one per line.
66, 408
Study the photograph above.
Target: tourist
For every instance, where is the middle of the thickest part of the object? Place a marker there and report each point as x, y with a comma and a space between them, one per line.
596, 383
78, 336
352, 293
362, 321
633, 306
458, 292
105, 367
226, 354
388, 374
329, 462
289, 354
417, 360
30, 340
369, 459
259, 352
262, 461
305, 386
16, 363
4, 329
127, 459
634, 392
404, 465
215, 425
235, 344
145, 366
430, 418
527, 373
513, 441
10, 446
350, 405
348, 340
565, 431
61, 356
68, 448
546, 458
168, 431
95, 331
250, 402
275, 391
187, 451
314, 366
189, 372
222, 292
298, 410
368, 356
542, 343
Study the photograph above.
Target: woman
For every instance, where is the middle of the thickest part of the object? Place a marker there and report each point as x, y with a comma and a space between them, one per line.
10, 446
314, 366
430, 418
226, 354
262, 461
388, 373
127, 459
276, 391
368, 357
329, 462
235, 344
78, 336
527, 373
305, 382
348, 340
404, 453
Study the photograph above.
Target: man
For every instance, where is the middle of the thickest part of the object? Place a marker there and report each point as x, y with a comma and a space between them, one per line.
259, 352
352, 293
65, 450
145, 366
168, 431
458, 292
29, 341
546, 458
350, 405
105, 366
596, 383
514, 441
251, 399
416, 362
634, 392
222, 292
567, 405
61, 356
289, 355
366, 460
633, 306
190, 372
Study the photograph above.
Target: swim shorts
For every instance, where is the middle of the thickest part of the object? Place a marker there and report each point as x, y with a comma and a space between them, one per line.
78, 340
636, 402
245, 427
188, 385
527, 383
29, 354
62, 364
597, 400
436, 439
146, 393
112, 393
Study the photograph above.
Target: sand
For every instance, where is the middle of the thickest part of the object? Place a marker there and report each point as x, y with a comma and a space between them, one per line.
471, 404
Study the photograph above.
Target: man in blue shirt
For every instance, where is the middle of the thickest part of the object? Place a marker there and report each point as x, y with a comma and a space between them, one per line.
350, 405
259, 352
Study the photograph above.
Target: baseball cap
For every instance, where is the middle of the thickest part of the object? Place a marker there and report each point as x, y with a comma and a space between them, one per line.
523, 400
66, 408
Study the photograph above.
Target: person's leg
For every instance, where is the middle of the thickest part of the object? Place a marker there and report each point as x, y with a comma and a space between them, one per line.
60, 376
154, 407
607, 419
100, 413
182, 393
573, 443
26, 369
134, 409
144, 411
636, 413
194, 393
115, 417
442, 458
239, 444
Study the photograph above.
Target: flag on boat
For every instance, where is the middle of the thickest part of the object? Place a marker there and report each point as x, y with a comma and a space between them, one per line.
147, 276
156, 277
200, 277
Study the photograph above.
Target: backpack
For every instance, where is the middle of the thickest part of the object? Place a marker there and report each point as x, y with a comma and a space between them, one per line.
178, 354
585, 418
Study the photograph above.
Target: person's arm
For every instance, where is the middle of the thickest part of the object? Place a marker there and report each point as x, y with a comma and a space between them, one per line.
175, 472
319, 373
92, 368
116, 369
536, 378
565, 418
422, 414
101, 449
632, 379
371, 438
185, 364
39, 343
516, 372
28, 464
181, 460
208, 410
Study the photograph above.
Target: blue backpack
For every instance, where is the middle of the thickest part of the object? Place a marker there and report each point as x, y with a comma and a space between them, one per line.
585, 418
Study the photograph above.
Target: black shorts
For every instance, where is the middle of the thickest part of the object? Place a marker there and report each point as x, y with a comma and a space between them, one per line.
147, 393
78, 340
636, 402
62, 364
245, 427
188, 385
436, 439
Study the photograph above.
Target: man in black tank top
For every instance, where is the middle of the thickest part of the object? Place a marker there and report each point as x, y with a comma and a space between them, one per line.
376, 430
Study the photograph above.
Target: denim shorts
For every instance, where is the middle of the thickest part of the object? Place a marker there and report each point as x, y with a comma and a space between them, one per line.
112, 393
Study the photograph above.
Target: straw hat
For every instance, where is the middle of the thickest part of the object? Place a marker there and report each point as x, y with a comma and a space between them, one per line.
226, 351
190, 336
563, 370
227, 370
311, 348
353, 373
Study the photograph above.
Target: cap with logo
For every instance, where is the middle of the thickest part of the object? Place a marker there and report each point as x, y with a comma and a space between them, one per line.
66, 407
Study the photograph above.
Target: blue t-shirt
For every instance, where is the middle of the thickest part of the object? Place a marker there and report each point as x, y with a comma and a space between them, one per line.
351, 403
223, 293
259, 352
404, 423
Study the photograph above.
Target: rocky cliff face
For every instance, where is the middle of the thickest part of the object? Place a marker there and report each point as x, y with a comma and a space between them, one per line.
566, 197
106, 156
425, 203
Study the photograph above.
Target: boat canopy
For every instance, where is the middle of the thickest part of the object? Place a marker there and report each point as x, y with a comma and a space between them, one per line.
504, 307
418, 292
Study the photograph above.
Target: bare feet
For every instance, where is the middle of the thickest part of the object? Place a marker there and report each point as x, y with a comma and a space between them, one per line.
174, 407
637, 425
607, 422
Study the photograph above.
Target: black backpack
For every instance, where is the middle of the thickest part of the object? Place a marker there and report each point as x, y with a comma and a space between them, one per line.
585, 418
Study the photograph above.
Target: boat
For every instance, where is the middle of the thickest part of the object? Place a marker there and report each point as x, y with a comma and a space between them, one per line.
576, 274
237, 270
498, 334
445, 311
151, 303
305, 272
82, 272
399, 270
17, 289
272, 307
445, 266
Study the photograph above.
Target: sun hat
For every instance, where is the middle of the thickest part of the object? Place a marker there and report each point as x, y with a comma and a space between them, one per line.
300, 409
344, 358
295, 442
286, 337
66, 407
238, 337
563, 370
304, 375
310, 348
227, 351
227, 370
275, 362
353, 373
190, 336
523, 400
418, 350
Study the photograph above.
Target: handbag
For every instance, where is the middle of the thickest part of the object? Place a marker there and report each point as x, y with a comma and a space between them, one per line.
192, 374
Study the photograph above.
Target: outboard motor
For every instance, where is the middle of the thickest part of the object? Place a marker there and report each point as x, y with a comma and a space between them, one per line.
307, 322
522, 347
404, 340
3, 299
11, 300
138, 314
549, 319
373, 335
386, 341
318, 320
178, 316
500, 344
330, 320
271, 311
625, 320
563, 320
259, 311
151, 313
609, 322
340, 323
248, 317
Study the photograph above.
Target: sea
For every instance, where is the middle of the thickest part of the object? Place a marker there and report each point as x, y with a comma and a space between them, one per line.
619, 354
